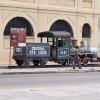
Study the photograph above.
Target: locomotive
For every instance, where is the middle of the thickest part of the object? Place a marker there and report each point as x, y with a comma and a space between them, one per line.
54, 46
87, 54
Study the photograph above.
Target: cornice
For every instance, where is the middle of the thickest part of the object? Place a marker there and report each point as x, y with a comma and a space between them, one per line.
31, 5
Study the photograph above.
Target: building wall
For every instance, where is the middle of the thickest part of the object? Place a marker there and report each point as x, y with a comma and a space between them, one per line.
43, 13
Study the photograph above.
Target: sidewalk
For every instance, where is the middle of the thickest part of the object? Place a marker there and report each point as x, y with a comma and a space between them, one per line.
57, 69
48, 70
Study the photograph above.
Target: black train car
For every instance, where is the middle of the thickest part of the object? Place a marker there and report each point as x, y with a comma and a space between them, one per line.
38, 53
87, 54
56, 47
59, 45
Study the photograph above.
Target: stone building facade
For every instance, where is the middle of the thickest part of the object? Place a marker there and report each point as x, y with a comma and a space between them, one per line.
79, 17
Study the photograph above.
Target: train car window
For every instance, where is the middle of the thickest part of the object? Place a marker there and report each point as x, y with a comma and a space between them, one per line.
44, 40
50, 41
59, 42
63, 42
67, 42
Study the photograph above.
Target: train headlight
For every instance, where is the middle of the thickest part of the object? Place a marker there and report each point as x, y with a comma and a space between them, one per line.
17, 51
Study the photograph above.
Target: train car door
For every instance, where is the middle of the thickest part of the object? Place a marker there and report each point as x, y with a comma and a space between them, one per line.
63, 46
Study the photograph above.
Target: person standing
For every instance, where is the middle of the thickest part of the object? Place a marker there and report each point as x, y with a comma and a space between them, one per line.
82, 44
77, 59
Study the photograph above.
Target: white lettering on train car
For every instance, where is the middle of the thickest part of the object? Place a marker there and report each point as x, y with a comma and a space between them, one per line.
37, 48
42, 52
32, 52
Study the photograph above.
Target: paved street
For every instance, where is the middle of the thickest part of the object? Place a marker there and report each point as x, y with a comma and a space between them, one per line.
48, 79
50, 86
81, 92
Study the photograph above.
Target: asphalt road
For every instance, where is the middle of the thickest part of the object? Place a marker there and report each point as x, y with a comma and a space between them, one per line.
48, 79
50, 86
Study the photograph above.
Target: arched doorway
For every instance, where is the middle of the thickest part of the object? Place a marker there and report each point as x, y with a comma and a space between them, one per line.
19, 22
16, 22
86, 34
62, 25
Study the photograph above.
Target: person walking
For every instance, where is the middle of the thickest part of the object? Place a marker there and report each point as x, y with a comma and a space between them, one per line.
77, 59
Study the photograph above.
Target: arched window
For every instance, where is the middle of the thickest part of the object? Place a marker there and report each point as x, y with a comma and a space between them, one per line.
61, 25
86, 31
19, 22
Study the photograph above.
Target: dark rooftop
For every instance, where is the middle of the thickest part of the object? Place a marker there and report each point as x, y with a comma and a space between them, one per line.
56, 34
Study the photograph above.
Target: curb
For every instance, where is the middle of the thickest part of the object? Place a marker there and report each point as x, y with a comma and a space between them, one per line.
49, 71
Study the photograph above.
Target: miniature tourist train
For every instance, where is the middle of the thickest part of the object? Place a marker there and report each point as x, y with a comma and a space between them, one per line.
54, 46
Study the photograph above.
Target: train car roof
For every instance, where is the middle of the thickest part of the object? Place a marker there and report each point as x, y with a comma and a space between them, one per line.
56, 34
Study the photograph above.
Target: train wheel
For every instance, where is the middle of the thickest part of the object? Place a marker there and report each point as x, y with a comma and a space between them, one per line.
43, 62
36, 63
19, 62
26, 63
85, 61
71, 61
64, 63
